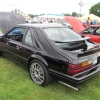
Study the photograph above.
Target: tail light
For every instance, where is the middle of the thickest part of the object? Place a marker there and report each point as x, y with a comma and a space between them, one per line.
74, 69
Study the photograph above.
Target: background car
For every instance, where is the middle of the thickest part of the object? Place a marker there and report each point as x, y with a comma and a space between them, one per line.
8, 20
93, 32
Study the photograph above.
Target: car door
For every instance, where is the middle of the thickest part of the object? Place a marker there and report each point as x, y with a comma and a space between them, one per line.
91, 33
13, 43
29, 46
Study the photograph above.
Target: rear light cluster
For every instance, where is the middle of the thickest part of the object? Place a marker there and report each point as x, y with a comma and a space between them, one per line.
74, 69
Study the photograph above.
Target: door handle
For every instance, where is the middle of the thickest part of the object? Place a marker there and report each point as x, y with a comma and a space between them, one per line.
99, 38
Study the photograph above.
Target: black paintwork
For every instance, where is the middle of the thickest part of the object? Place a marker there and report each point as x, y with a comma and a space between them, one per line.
44, 50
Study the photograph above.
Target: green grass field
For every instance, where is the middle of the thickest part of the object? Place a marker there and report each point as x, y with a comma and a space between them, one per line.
15, 84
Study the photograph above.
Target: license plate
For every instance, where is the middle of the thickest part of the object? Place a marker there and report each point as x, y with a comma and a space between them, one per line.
95, 61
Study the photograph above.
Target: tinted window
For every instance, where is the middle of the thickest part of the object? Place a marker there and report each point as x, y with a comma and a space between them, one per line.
90, 30
16, 34
28, 39
61, 34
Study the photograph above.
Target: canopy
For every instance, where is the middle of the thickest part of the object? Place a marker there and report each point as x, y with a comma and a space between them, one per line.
92, 17
60, 16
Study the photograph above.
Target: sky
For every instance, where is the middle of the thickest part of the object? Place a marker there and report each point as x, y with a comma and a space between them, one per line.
47, 6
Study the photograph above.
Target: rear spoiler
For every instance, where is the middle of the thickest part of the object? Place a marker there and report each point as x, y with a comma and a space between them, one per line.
74, 40
90, 51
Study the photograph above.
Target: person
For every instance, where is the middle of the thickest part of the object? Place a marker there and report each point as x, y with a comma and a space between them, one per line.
91, 22
88, 22
45, 21
94, 22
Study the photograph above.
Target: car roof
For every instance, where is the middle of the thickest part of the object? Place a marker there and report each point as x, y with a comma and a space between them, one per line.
42, 25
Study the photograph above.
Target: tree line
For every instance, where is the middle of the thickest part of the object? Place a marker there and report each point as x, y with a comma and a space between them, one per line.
67, 14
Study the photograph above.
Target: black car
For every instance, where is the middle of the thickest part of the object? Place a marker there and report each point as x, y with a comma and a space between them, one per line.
52, 51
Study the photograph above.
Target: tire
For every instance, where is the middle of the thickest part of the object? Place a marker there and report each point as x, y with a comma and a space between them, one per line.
39, 73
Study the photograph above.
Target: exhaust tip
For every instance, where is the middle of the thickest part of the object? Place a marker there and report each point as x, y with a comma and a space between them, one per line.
70, 86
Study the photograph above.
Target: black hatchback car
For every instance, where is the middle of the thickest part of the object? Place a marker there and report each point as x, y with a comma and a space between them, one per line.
52, 50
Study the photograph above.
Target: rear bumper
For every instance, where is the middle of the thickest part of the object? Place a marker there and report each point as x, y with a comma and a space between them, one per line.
77, 78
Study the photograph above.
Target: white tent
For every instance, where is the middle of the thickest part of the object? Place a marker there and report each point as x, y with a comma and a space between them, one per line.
52, 16
92, 17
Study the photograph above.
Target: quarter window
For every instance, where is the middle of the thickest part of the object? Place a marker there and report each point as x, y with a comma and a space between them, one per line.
28, 39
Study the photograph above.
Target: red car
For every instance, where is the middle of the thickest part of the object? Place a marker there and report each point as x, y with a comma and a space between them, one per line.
93, 32
75, 23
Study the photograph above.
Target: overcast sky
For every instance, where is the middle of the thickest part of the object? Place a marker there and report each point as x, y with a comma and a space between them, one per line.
47, 6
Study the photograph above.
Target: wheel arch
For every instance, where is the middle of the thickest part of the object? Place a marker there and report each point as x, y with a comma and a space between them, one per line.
37, 57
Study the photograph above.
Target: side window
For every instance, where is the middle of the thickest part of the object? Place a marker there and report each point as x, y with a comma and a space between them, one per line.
16, 34
28, 39
89, 30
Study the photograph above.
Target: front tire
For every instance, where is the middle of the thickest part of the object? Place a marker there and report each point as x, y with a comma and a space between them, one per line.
39, 73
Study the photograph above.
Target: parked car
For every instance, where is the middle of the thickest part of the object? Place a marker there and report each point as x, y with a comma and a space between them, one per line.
93, 32
8, 20
52, 50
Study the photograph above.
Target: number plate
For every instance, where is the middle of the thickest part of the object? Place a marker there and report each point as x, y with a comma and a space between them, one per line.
95, 61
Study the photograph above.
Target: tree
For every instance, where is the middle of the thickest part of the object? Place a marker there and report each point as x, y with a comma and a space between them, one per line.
31, 15
95, 9
74, 14
67, 14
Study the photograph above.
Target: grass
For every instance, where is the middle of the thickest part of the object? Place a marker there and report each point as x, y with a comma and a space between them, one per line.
15, 84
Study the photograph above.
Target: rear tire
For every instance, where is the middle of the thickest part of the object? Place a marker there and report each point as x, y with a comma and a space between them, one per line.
39, 73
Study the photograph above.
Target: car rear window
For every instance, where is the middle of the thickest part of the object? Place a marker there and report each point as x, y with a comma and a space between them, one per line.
65, 38
61, 34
